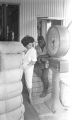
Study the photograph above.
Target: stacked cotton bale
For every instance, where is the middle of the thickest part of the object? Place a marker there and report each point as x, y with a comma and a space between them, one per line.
11, 100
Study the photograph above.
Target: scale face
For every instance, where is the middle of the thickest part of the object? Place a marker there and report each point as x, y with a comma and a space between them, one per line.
57, 41
53, 41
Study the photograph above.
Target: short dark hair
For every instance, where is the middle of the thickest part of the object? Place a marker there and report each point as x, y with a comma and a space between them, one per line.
26, 40
41, 41
40, 38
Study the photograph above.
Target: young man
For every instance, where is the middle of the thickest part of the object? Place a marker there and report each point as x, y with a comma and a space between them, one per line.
42, 64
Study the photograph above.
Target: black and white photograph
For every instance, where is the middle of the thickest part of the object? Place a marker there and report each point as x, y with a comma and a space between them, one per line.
35, 60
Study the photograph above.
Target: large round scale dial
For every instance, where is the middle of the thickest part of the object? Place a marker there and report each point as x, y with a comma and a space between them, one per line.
57, 41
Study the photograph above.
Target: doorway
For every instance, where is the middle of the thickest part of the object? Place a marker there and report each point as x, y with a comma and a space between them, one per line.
44, 23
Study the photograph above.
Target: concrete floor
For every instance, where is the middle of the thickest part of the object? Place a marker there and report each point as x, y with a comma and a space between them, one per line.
30, 112
40, 111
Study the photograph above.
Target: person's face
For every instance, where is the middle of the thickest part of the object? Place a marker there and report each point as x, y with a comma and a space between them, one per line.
47, 64
41, 42
29, 45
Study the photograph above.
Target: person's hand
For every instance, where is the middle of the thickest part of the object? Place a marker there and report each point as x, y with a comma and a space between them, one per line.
39, 60
47, 64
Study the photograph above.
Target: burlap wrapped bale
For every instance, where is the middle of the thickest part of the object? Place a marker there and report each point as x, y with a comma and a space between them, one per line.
10, 76
10, 104
13, 115
10, 90
11, 101
11, 47
10, 61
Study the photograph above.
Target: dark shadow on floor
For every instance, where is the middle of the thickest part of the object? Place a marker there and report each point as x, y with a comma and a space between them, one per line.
30, 113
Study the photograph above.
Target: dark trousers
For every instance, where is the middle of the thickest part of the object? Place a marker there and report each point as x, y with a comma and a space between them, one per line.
42, 72
44, 79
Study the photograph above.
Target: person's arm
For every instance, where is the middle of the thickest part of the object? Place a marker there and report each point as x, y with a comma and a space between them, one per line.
43, 57
30, 58
33, 57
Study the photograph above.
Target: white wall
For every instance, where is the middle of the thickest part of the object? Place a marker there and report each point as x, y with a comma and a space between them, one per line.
68, 12
31, 9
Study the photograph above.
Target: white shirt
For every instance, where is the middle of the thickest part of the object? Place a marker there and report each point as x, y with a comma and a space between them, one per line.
31, 55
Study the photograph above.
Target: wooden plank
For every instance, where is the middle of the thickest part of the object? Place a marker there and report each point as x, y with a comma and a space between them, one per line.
37, 84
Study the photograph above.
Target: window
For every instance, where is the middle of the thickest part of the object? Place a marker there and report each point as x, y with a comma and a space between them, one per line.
9, 22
